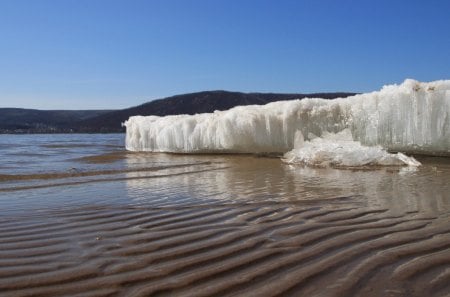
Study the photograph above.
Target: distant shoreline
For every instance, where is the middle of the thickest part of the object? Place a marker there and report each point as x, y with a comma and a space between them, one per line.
59, 132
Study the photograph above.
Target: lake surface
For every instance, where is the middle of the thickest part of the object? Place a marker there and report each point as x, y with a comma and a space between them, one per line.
80, 215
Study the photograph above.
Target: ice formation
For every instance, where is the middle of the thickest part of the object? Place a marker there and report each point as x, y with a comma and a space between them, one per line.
413, 117
340, 150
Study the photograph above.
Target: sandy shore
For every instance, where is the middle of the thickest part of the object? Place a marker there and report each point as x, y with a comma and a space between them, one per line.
330, 248
182, 225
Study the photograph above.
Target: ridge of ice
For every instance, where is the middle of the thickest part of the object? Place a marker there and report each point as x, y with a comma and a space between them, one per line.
413, 117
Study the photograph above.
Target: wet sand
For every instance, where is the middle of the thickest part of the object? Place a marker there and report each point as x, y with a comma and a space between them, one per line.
177, 225
327, 248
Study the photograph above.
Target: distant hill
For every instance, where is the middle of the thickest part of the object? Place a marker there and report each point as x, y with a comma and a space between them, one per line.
20, 120
16, 120
193, 103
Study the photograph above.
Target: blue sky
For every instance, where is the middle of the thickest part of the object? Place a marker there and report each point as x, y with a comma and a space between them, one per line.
94, 54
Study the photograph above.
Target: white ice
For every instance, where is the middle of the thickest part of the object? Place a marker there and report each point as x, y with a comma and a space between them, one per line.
340, 150
413, 117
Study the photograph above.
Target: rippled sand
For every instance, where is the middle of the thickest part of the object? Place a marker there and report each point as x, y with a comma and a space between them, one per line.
177, 225
256, 249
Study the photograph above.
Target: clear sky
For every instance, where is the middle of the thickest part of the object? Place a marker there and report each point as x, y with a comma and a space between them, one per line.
95, 54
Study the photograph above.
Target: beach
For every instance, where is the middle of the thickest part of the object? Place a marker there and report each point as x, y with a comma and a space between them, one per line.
105, 222
224, 148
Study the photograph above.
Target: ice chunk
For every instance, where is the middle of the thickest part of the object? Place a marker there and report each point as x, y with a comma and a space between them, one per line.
413, 117
340, 150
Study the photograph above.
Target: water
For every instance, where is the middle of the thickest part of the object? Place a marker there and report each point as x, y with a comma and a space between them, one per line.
79, 215
46, 171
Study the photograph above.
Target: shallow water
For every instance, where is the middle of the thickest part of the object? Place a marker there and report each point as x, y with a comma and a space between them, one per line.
79, 215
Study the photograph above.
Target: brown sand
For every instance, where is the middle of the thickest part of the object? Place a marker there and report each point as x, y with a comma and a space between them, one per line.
242, 249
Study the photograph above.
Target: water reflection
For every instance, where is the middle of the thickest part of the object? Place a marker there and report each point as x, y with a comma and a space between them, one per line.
249, 179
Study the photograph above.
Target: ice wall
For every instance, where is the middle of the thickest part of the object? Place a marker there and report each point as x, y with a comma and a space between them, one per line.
411, 117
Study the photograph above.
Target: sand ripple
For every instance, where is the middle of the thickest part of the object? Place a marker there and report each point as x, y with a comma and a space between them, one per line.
248, 249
